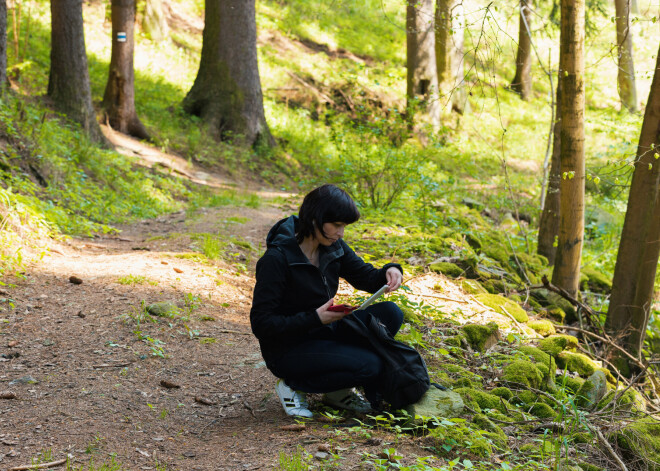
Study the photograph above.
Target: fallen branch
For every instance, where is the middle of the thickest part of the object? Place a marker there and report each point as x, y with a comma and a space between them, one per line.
445, 298
52, 464
593, 317
318, 92
610, 450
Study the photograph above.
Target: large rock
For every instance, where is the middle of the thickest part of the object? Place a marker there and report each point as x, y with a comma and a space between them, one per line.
482, 337
437, 403
162, 309
592, 390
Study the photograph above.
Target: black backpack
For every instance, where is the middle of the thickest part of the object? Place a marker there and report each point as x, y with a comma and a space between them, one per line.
406, 378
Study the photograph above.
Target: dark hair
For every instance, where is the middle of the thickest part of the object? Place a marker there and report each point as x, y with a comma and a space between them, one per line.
327, 203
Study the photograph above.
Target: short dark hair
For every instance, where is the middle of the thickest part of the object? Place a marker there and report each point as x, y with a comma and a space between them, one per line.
327, 203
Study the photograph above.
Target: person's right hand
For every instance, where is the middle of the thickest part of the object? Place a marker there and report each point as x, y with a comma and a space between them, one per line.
329, 316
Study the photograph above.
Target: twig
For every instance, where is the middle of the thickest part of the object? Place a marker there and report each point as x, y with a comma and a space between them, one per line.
321, 95
610, 450
118, 365
228, 331
441, 297
522, 331
51, 464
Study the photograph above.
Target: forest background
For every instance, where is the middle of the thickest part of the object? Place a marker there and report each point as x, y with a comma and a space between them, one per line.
457, 189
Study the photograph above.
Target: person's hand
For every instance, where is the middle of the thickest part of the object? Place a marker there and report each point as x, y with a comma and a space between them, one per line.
394, 279
330, 316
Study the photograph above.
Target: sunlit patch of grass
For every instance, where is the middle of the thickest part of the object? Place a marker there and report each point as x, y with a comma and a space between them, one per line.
132, 280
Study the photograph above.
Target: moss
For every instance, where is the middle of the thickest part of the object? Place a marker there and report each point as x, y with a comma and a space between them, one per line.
409, 315
539, 449
483, 399
495, 433
572, 384
501, 304
595, 281
473, 241
608, 374
629, 399
454, 340
482, 337
522, 372
504, 393
463, 383
494, 286
555, 313
544, 362
473, 287
543, 327
534, 304
542, 411
577, 362
463, 437
555, 344
446, 268
641, 439
584, 466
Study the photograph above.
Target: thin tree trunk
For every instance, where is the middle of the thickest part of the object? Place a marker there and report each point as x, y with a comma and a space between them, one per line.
630, 291
227, 91
154, 23
626, 71
119, 97
549, 221
68, 81
3, 45
522, 82
566, 273
449, 55
422, 79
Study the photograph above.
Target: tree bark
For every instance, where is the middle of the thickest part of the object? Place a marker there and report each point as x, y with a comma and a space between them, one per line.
154, 23
522, 82
68, 81
3, 46
422, 79
227, 91
637, 258
119, 97
449, 55
549, 221
566, 273
626, 70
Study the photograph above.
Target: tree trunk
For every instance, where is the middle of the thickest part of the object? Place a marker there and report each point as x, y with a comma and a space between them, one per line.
631, 294
422, 78
119, 97
522, 82
227, 91
549, 221
626, 70
3, 46
566, 273
154, 23
449, 56
68, 81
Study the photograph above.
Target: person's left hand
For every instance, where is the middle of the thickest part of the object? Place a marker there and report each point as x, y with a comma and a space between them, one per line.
394, 279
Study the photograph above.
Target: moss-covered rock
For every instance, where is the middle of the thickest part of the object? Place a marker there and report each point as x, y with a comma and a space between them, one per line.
457, 371
455, 340
571, 383
409, 315
553, 313
473, 287
555, 344
447, 268
544, 362
163, 309
577, 362
537, 449
608, 375
543, 327
594, 280
482, 399
436, 403
496, 434
504, 393
464, 383
591, 391
557, 300
628, 400
501, 304
584, 466
641, 439
494, 286
542, 410
522, 372
582, 437
482, 337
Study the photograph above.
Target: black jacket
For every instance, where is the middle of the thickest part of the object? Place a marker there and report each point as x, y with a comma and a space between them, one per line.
289, 289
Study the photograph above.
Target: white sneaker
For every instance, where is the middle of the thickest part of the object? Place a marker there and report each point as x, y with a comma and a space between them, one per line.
294, 402
348, 399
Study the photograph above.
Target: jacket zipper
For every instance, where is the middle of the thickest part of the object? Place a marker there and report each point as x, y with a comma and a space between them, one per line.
325, 282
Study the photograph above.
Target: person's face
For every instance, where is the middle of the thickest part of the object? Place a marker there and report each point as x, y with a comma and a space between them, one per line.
333, 232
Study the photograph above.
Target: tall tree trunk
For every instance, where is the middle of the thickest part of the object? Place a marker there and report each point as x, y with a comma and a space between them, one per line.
68, 81
635, 264
422, 79
566, 273
549, 221
3, 45
522, 82
227, 91
154, 23
449, 56
626, 70
119, 97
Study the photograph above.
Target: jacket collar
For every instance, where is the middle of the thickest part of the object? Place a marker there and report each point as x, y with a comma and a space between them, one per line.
283, 237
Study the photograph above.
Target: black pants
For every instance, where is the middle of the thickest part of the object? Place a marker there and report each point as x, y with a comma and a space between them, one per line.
336, 360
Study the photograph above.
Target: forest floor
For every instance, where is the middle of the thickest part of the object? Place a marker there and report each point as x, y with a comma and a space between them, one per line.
87, 365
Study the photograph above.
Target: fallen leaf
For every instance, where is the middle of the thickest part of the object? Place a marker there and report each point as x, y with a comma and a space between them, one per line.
325, 447
7, 395
143, 453
178, 270
168, 384
293, 427
204, 400
163, 262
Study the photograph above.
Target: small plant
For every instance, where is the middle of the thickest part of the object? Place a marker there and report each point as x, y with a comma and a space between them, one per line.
299, 461
136, 280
